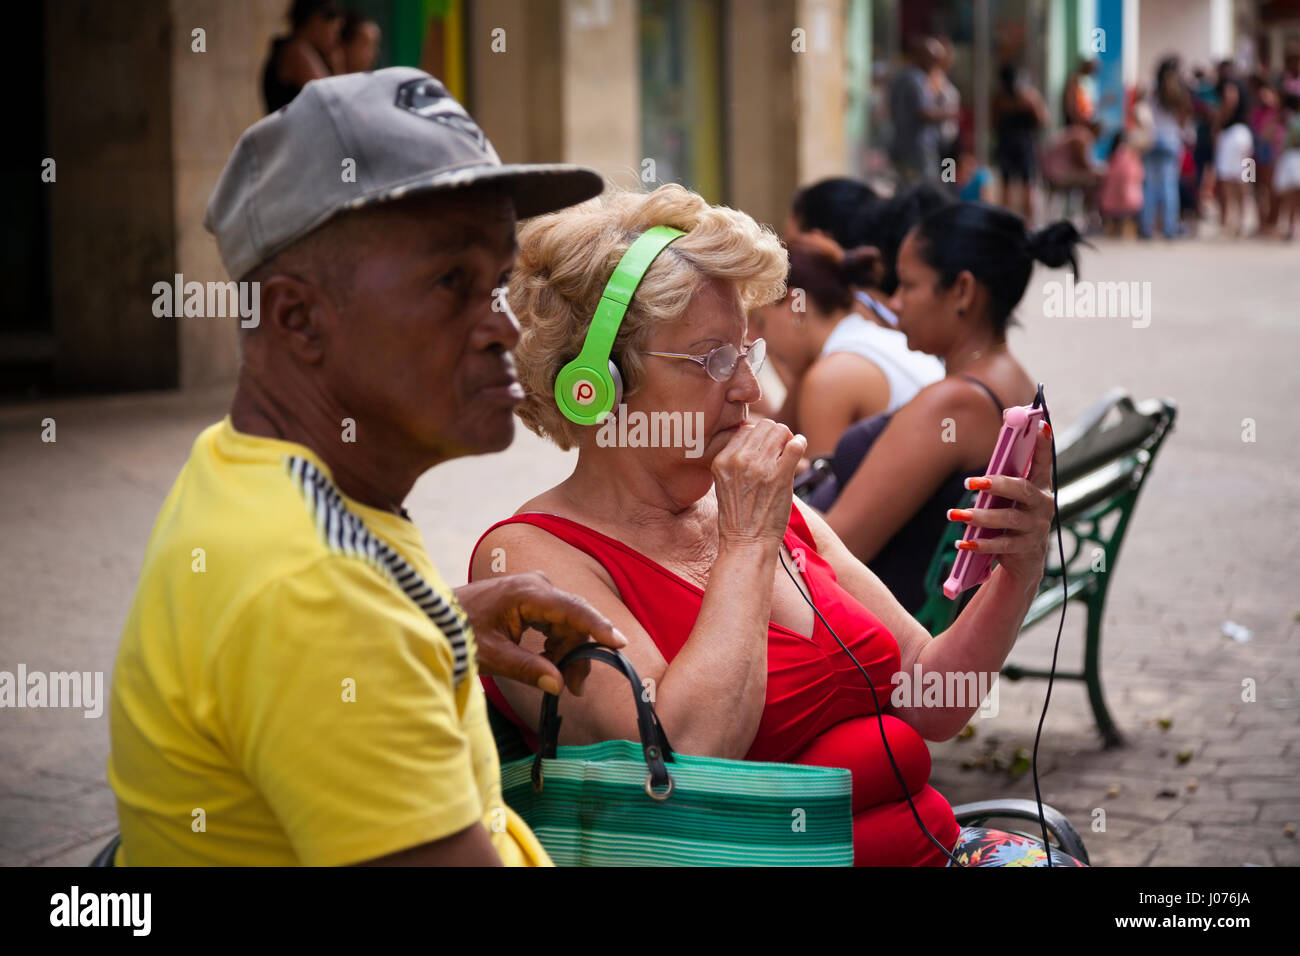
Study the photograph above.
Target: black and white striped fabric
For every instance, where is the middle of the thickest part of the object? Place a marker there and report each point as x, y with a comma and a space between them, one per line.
345, 533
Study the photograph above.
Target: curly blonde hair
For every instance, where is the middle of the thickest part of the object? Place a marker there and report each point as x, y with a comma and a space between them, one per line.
566, 258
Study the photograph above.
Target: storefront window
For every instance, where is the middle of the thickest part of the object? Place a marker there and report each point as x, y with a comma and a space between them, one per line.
682, 117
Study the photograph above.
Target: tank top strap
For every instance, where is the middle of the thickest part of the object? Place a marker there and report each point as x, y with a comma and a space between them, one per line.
604, 549
997, 402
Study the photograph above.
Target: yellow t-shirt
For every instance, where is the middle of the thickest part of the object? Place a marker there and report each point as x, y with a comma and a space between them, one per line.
287, 691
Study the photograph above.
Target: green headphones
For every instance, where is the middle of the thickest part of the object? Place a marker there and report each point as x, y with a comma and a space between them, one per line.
588, 388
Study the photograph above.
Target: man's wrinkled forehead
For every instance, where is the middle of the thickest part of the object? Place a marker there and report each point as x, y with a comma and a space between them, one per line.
456, 221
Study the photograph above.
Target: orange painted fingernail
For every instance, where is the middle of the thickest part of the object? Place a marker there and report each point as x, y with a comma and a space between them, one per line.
959, 514
1047, 430
979, 484
968, 545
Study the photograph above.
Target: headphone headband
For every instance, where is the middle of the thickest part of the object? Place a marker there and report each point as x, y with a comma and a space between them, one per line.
588, 388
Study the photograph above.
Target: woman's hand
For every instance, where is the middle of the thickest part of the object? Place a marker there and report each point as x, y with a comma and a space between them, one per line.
754, 480
1022, 548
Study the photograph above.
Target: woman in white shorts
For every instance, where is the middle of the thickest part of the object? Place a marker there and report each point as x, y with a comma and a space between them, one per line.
1235, 145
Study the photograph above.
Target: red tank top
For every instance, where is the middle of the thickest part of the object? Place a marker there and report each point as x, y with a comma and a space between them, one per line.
818, 709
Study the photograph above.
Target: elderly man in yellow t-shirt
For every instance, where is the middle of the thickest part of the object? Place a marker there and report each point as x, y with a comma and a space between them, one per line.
296, 684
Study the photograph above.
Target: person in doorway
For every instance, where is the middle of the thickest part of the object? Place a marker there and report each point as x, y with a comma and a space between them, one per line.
305, 54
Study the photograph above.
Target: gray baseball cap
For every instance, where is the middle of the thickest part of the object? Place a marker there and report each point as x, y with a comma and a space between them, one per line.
350, 141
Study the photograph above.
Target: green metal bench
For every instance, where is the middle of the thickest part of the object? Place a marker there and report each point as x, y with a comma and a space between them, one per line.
1102, 462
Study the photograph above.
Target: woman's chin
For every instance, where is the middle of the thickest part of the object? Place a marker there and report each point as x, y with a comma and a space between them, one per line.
913, 344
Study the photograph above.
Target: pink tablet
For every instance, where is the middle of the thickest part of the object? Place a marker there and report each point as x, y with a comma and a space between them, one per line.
1013, 455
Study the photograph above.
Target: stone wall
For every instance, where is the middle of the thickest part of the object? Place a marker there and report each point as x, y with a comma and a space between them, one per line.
140, 125
111, 206
762, 159
514, 88
216, 94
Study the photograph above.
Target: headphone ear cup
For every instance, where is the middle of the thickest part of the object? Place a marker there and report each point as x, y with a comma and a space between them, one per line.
618, 385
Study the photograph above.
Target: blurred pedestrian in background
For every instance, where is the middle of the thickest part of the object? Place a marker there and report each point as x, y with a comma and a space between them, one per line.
1233, 147
1121, 190
917, 114
1069, 169
1286, 179
1188, 188
358, 43
304, 55
1078, 98
947, 100
1288, 83
1205, 111
1019, 113
1169, 111
1267, 134
974, 181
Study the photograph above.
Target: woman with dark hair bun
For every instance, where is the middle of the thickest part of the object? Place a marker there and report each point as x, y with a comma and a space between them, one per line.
961, 273
837, 366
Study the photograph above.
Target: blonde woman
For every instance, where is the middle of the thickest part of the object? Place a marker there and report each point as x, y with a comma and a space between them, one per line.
688, 554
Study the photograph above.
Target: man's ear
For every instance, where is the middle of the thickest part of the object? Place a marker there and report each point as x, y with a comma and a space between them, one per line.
292, 313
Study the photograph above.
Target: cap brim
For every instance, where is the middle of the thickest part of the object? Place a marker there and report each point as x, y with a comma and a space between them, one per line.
536, 188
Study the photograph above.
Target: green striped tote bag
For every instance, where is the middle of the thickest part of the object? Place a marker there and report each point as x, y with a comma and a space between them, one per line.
624, 803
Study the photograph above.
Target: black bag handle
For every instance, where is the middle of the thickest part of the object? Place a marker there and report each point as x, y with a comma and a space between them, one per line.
654, 744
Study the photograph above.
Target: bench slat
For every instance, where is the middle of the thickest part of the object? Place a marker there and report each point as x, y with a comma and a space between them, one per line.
1053, 597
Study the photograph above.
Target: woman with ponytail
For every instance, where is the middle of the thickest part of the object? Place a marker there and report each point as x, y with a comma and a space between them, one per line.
838, 366
961, 273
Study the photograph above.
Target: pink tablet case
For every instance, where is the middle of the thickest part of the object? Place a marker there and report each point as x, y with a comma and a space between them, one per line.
1012, 455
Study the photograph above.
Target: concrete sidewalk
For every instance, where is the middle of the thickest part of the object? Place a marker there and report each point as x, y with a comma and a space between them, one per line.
1206, 778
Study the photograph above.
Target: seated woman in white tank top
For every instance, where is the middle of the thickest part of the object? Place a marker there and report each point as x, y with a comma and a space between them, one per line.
907, 371
838, 366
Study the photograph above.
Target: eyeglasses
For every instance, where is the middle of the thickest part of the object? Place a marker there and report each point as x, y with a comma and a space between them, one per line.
721, 362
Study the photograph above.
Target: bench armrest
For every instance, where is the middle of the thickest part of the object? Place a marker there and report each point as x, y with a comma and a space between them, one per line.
974, 814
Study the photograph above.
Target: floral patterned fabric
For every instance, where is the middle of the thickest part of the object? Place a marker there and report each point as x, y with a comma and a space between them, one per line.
980, 846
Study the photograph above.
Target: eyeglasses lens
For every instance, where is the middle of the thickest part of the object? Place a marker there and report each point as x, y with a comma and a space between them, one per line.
722, 360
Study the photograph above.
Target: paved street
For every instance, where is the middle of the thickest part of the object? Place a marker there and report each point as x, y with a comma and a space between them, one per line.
1206, 778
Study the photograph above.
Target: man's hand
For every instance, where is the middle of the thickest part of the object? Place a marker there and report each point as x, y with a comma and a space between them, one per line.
502, 608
